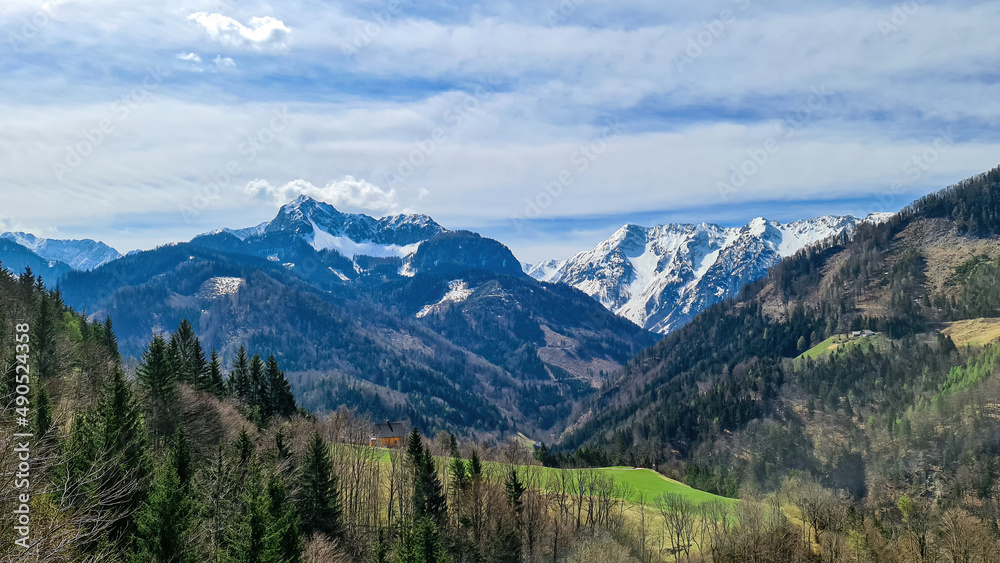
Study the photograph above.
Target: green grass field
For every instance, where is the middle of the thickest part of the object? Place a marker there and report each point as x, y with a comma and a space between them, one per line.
646, 482
639, 481
838, 342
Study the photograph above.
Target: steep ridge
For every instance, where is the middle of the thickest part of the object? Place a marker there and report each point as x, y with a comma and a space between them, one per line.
661, 277
837, 364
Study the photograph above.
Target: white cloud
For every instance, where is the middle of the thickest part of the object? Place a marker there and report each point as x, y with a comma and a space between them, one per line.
189, 57
348, 192
261, 34
224, 62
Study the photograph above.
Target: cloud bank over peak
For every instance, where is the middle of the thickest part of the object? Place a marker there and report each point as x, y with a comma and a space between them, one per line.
347, 193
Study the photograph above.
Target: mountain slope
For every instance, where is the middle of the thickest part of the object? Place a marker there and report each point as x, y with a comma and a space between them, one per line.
397, 317
15, 258
78, 254
661, 277
728, 399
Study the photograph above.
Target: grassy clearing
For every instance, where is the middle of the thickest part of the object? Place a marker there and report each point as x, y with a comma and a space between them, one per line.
840, 342
639, 481
973, 332
650, 484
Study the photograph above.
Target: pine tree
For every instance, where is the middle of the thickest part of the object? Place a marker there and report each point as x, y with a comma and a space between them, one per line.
424, 544
198, 366
110, 339
281, 402
182, 457
123, 440
428, 496
216, 385
43, 341
318, 500
164, 520
239, 377
284, 537
43, 410
183, 345
155, 371
257, 392
244, 449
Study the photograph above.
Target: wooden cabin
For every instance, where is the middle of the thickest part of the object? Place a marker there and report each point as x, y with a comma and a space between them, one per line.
389, 434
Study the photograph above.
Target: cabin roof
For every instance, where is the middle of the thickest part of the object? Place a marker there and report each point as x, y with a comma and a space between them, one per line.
391, 430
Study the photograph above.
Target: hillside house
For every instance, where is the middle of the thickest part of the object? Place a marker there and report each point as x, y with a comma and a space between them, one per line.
389, 434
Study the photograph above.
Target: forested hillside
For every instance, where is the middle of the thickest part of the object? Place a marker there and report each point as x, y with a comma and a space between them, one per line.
781, 386
189, 459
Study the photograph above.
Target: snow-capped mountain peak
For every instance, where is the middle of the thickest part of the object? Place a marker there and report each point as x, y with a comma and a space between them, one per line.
78, 254
661, 277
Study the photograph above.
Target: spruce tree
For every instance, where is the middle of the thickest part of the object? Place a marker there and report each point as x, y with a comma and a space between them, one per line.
123, 440
239, 377
155, 371
110, 339
164, 520
428, 496
43, 410
215, 384
284, 531
318, 500
43, 341
157, 376
198, 366
257, 389
280, 400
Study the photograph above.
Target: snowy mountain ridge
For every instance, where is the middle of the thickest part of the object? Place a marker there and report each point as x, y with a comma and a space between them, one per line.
83, 255
661, 277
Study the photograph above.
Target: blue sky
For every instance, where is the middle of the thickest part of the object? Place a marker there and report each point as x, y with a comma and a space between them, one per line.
546, 124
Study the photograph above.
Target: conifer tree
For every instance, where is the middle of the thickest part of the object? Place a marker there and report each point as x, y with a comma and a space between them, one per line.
318, 499
428, 497
284, 531
198, 366
43, 410
155, 371
110, 339
123, 439
239, 377
43, 341
214, 383
280, 400
164, 520
258, 390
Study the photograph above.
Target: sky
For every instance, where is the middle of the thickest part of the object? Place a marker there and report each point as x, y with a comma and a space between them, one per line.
546, 124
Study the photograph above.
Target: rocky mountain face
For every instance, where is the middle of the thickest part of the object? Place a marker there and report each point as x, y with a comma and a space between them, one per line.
661, 277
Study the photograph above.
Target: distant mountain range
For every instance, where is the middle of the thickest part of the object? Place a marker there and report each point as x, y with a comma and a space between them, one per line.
52, 257
661, 277
400, 317
397, 317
